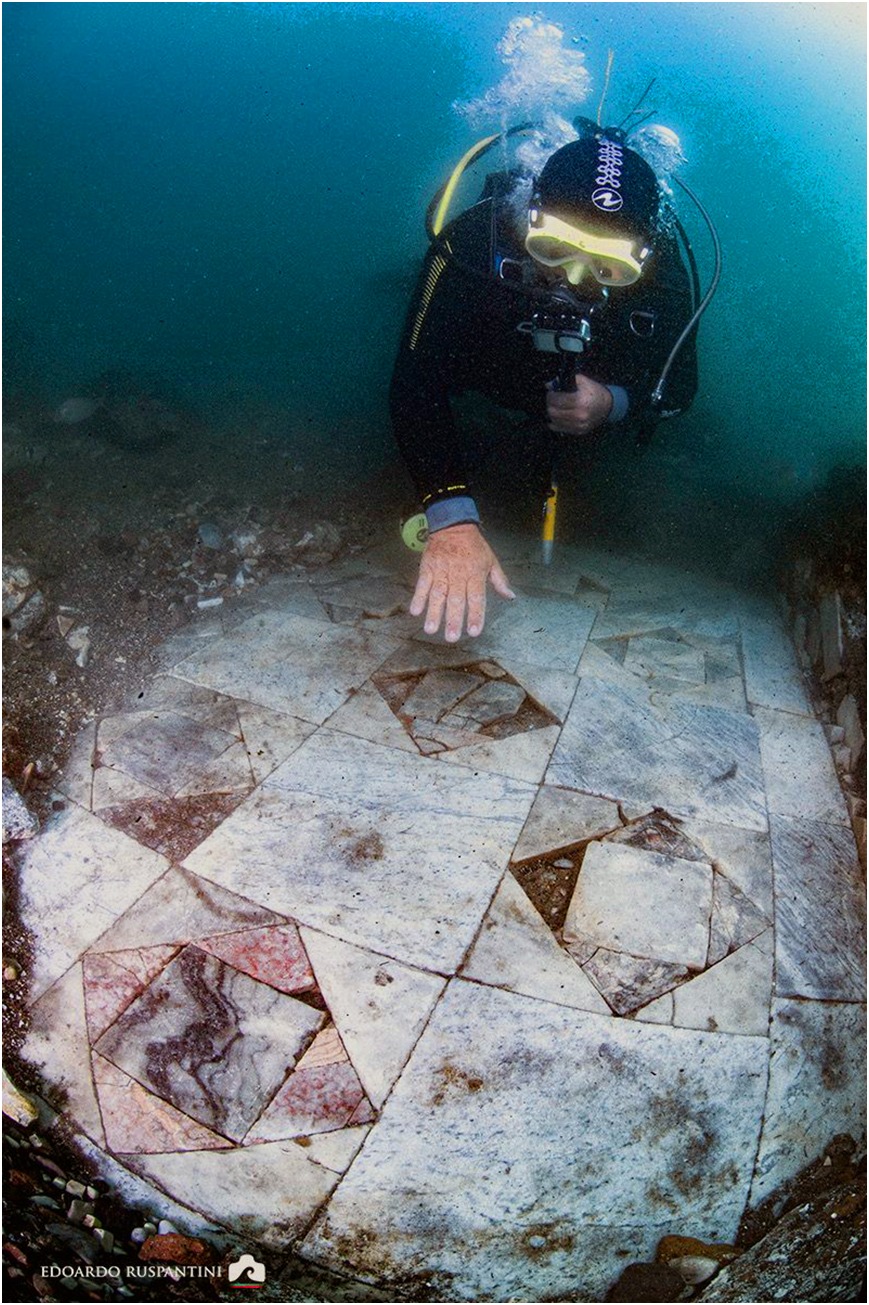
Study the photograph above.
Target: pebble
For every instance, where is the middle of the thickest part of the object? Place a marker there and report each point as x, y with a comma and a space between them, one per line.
75, 1188
563, 863
203, 603
46, 1202
78, 1211
16, 1104
10, 973
695, 1269
210, 535
164, 1226
79, 641
75, 410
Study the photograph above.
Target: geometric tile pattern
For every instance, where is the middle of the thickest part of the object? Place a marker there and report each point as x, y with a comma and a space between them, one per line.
488, 964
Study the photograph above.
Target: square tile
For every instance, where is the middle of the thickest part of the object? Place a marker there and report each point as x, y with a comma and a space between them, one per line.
801, 780
210, 1040
642, 903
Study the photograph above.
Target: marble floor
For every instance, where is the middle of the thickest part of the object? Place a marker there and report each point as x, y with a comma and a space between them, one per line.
469, 971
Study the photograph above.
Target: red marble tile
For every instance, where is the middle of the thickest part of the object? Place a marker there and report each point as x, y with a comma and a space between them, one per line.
113, 979
323, 1093
273, 955
138, 1122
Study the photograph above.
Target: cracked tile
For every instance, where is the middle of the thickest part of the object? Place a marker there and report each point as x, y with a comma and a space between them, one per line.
651, 656
57, 1043
269, 737
457, 1202
772, 674
136, 1120
289, 663
535, 630
336, 1150
76, 781
817, 1087
742, 855
561, 818
322, 1095
379, 1006
690, 760
629, 982
113, 979
274, 955
164, 750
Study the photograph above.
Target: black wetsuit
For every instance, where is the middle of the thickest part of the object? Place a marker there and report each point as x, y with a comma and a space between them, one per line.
468, 329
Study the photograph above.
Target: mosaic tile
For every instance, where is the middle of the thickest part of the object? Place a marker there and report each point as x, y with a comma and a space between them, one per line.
316, 1098
336, 1150
379, 1006
57, 1044
457, 1201
367, 596
76, 879
535, 630
515, 949
801, 779
819, 911
231, 772
113, 979
272, 1191
273, 955
659, 1011
180, 908
137, 1121
210, 1040
438, 692
289, 663
733, 996
366, 715
165, 750
269, 736
690, 760
642, 903
817, 1087
522, 757
772, 674
561, 818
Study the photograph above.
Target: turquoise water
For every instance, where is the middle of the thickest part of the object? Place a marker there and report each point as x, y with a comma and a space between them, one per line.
230, 198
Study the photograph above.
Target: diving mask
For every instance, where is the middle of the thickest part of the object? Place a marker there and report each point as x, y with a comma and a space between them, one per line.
556, 243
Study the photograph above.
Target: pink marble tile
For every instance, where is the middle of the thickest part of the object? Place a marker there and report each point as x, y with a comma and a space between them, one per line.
274, 955
323, 1093
137, 1122
113, 979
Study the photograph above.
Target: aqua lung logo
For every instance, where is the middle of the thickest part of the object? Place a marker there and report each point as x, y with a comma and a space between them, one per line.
607, 196
246, 1272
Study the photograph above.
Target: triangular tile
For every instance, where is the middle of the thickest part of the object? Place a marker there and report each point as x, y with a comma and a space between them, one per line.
113, 979
138, 1122
182, 907
57, 1044
379, 1006
316, 1098
274, 955
735, 919
515, 949
335, 1150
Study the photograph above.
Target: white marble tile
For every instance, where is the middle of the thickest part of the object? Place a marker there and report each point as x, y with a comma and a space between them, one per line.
534, 630
231, 772
269, 736
742, 855
181, 908
379, 1006
772, 675
520, 756
651, 657
639, 902
688, 608
271, 1191
817, 1087
163, 748
289, 663
290, 594
659, 1011
57, 1043
417, 847
365, 596
367, 715
336, 1150
76, 781
733, 996
800, 777
726, 693
113, 786
77, 878
819, 911
518, 1120
561, 818
690, 760
515, 949
168, 693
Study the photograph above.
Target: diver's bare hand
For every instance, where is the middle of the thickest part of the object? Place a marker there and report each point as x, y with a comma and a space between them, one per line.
579, 411
453, 572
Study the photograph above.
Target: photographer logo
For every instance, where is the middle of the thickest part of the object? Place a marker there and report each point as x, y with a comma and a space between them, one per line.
246, 1272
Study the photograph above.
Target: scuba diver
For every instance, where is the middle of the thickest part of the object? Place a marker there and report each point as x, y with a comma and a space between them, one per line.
577, 309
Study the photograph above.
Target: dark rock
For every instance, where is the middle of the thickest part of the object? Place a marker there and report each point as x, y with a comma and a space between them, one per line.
649, 1282
816, 1253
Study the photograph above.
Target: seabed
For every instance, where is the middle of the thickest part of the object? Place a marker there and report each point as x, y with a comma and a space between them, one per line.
466, 971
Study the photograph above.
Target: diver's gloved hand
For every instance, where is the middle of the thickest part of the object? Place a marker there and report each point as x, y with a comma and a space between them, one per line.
453, 572
579, 411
